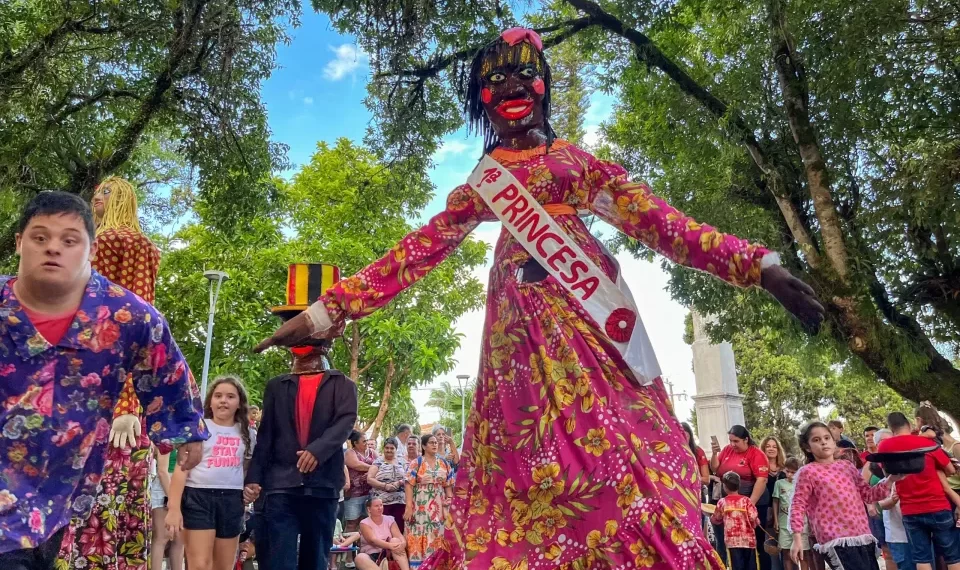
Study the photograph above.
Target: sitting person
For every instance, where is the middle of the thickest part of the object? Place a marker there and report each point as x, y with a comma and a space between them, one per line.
343, 544
381, 539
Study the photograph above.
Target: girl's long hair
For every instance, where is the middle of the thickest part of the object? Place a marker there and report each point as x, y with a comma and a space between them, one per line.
242, 415
690, 441
929, 415
804, 439
781, 455
121, 208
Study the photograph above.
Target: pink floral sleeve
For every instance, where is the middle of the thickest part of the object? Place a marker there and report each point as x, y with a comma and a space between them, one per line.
408, 261
802, 491
633, 209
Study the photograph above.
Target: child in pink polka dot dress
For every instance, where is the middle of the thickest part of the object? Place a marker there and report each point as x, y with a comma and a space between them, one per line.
831, 494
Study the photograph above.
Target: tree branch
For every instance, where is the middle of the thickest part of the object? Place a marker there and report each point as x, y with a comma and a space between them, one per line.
794, 89
648, 52
92, 99
185, 30
432, 70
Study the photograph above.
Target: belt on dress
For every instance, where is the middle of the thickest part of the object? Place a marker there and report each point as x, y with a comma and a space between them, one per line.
531, 271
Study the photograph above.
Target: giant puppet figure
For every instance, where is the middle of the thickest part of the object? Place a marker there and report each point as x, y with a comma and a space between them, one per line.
116, 536
572, 457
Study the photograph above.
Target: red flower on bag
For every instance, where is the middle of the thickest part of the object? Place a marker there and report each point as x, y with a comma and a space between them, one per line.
620, 323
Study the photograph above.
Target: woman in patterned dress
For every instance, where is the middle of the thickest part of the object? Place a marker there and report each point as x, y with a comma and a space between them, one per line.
116, 535
428, 492
387, 477
569, 461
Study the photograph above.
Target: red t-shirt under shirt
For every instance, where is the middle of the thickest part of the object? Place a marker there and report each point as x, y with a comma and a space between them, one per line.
749, 465
920, 493
701, 457
306, 398
51, 327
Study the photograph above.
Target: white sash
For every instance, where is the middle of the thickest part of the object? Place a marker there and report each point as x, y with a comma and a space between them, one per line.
611, 305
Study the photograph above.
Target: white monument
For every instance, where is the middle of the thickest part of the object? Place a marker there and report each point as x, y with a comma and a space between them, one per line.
718, 402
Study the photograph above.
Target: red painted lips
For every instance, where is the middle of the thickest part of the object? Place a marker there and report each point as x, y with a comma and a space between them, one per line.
514, 109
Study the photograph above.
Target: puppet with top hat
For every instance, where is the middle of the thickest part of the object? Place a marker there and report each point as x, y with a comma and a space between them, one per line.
298, 461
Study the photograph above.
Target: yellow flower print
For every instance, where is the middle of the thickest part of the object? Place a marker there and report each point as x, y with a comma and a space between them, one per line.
650, 236
520, 513
352, 286
503, 537
710, 240
595, 441
478, 503
693, 225
678, 533
510, 490
627, 492
551, 522
459, 199
660, 447
549, 485
646, 556
539, 176
563, 394
501, 563
598, 543
479, 541
553, 552
680, 250
633, 204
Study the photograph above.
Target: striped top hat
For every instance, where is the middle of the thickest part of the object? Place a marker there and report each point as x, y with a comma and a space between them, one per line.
306, 282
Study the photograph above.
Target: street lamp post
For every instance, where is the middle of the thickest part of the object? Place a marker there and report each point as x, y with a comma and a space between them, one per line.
463, 379
216, 279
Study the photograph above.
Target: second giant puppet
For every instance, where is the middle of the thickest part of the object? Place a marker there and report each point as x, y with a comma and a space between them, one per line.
573, 457
116, 536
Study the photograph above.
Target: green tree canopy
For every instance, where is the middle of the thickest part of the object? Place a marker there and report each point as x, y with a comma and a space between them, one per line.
341, 209
164, 93
825, 129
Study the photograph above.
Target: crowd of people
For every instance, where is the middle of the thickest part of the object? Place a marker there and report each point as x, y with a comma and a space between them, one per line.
834, 505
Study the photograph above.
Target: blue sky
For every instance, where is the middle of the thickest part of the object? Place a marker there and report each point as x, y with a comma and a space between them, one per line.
317, 95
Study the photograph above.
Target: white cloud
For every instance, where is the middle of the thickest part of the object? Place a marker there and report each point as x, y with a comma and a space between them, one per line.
308, 100
449, 148
348, 59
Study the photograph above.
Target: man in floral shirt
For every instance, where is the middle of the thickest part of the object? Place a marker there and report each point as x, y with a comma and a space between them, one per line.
68, 338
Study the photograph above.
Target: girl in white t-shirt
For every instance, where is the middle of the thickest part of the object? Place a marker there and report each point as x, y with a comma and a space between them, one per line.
207, 501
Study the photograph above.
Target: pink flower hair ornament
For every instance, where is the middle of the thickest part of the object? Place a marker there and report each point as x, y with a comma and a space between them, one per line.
513, 36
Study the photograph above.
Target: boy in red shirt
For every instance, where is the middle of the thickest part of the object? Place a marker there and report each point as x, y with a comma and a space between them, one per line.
927, 513
739, 517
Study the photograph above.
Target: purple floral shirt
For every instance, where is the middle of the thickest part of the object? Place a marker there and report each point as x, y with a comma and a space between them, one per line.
57, 403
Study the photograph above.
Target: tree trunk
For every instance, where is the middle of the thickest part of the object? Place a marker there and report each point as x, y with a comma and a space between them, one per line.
890, 344
794, 88
384, 401
355, 351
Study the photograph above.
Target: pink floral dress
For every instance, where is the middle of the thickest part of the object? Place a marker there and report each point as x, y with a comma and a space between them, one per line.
567, 462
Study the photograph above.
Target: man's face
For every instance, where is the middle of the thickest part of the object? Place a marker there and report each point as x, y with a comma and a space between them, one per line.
55, 252
868, 439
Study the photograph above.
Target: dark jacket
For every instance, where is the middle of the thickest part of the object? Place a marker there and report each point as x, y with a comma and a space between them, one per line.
274, 463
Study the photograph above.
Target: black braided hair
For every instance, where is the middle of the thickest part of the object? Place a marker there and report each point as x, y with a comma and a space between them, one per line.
477, 120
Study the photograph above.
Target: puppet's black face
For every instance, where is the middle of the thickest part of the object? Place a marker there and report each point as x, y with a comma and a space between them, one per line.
512, 90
